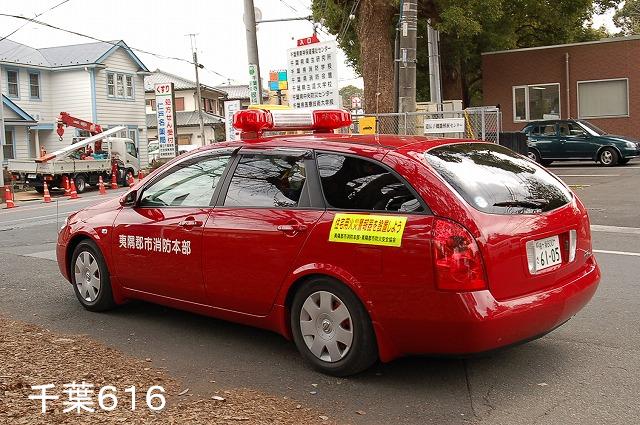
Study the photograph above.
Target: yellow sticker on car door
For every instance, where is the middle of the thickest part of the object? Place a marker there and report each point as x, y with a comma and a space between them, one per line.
383, 230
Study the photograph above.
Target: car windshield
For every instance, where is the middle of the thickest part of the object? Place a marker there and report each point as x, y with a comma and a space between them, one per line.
592, 129
494, 179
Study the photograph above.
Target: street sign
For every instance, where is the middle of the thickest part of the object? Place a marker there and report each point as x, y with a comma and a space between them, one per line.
313, 75
230, 108
443, 125
254, 87
166, 116
308, 40
278, 80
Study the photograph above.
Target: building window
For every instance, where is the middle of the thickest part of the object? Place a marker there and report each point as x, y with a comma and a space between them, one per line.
152, 104
179, 103
133, 134
34, 85
12, 83
603, 98
111, 85
536, 102
120, 85
129, 80
7, 147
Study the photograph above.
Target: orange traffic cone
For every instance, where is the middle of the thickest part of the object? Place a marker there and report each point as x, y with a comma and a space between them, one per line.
140, 175
47, 195
74, 193
101, 186
114, 180
67, 187
130, 180
8, 197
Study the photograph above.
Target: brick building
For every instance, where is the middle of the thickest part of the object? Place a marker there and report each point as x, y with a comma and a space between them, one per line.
598, 81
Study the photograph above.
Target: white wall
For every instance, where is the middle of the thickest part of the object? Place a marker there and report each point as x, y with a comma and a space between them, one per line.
40, 109
129, 112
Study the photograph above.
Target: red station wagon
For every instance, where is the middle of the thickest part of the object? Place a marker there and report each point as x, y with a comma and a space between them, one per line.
357, 247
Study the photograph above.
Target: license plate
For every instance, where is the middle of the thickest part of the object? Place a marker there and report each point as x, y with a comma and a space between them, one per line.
31, 176
547, 252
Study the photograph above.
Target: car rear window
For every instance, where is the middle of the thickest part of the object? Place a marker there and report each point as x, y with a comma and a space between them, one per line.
496, 180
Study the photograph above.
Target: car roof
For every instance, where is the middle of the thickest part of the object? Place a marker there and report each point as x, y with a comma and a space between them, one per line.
361, 143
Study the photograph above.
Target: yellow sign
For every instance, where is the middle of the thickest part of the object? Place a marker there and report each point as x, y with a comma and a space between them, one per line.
367, 125
367, 229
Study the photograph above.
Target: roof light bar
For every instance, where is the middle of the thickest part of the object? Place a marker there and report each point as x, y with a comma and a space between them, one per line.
253, 122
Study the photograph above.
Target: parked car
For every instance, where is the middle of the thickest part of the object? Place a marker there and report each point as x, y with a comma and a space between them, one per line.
356, 247
577, 140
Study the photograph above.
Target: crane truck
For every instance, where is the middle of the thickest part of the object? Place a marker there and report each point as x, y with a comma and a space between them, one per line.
99, 155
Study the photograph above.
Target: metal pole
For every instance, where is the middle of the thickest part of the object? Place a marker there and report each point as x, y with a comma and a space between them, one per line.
252, 42
407, 64
433, 39
198, 90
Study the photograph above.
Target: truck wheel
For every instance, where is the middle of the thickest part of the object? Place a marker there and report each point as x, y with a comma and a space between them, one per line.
81, 183
332, 329
40, 189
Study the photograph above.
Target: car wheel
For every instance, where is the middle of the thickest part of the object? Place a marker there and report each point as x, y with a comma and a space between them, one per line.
90, 277
534, 156
81, 183
608, 157
332, 329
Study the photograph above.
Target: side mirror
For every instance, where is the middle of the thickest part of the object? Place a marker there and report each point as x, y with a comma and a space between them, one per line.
129, 199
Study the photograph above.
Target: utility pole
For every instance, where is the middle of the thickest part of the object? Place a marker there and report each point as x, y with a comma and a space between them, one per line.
194, 49
2, 136
252, 49
407, 60
435, 82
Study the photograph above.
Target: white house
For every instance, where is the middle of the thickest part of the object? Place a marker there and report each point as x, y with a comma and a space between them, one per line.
186, 98
99, 82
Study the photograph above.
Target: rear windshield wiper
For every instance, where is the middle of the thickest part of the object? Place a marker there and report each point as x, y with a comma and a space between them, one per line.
526, 203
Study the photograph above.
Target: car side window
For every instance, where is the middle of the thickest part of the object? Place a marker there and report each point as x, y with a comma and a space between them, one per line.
534, 130
358, 184
269, 181
189, 184
549, 130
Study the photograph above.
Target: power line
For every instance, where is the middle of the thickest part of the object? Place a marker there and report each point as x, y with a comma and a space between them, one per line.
33, 19
157, 55
289, 6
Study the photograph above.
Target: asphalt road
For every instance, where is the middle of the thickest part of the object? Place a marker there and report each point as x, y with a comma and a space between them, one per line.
584, 372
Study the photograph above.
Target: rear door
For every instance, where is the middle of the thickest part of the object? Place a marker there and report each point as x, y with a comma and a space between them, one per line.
158, 245
545, 135
263, 216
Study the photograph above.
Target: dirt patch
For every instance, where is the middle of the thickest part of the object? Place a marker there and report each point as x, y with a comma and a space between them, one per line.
31, 355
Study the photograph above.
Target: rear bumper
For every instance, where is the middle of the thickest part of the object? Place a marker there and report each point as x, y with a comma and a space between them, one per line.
476, 322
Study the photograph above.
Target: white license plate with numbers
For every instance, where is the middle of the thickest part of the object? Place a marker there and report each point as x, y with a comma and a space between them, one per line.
31, 176
547, 252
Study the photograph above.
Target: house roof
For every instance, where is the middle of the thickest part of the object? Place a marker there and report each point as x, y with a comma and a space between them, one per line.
555, 46
22, 115
179, 83
187, 119
239, 91
63, 56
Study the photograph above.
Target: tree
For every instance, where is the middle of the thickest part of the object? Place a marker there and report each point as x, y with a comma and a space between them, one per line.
628, 17
347, 92
468, 28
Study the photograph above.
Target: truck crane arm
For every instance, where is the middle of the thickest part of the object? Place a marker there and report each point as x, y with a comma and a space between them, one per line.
65, 120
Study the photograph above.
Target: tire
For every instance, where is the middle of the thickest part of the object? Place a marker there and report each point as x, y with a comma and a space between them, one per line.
40, 189
81, 183
94, 293
533, 155
608, 157
345, 348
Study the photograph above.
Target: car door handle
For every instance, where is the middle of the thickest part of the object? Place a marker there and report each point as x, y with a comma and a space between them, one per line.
292, 228
190, 222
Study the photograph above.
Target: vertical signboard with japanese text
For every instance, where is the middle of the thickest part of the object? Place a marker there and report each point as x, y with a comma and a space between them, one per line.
166, 115
254, 87
313, 75
230, 108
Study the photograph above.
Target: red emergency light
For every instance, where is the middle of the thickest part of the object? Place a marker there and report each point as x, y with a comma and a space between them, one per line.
253, 122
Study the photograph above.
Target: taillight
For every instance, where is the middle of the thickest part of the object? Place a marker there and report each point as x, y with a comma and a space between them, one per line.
458, 264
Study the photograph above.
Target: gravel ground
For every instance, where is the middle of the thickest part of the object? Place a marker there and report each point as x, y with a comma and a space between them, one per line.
31, 355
